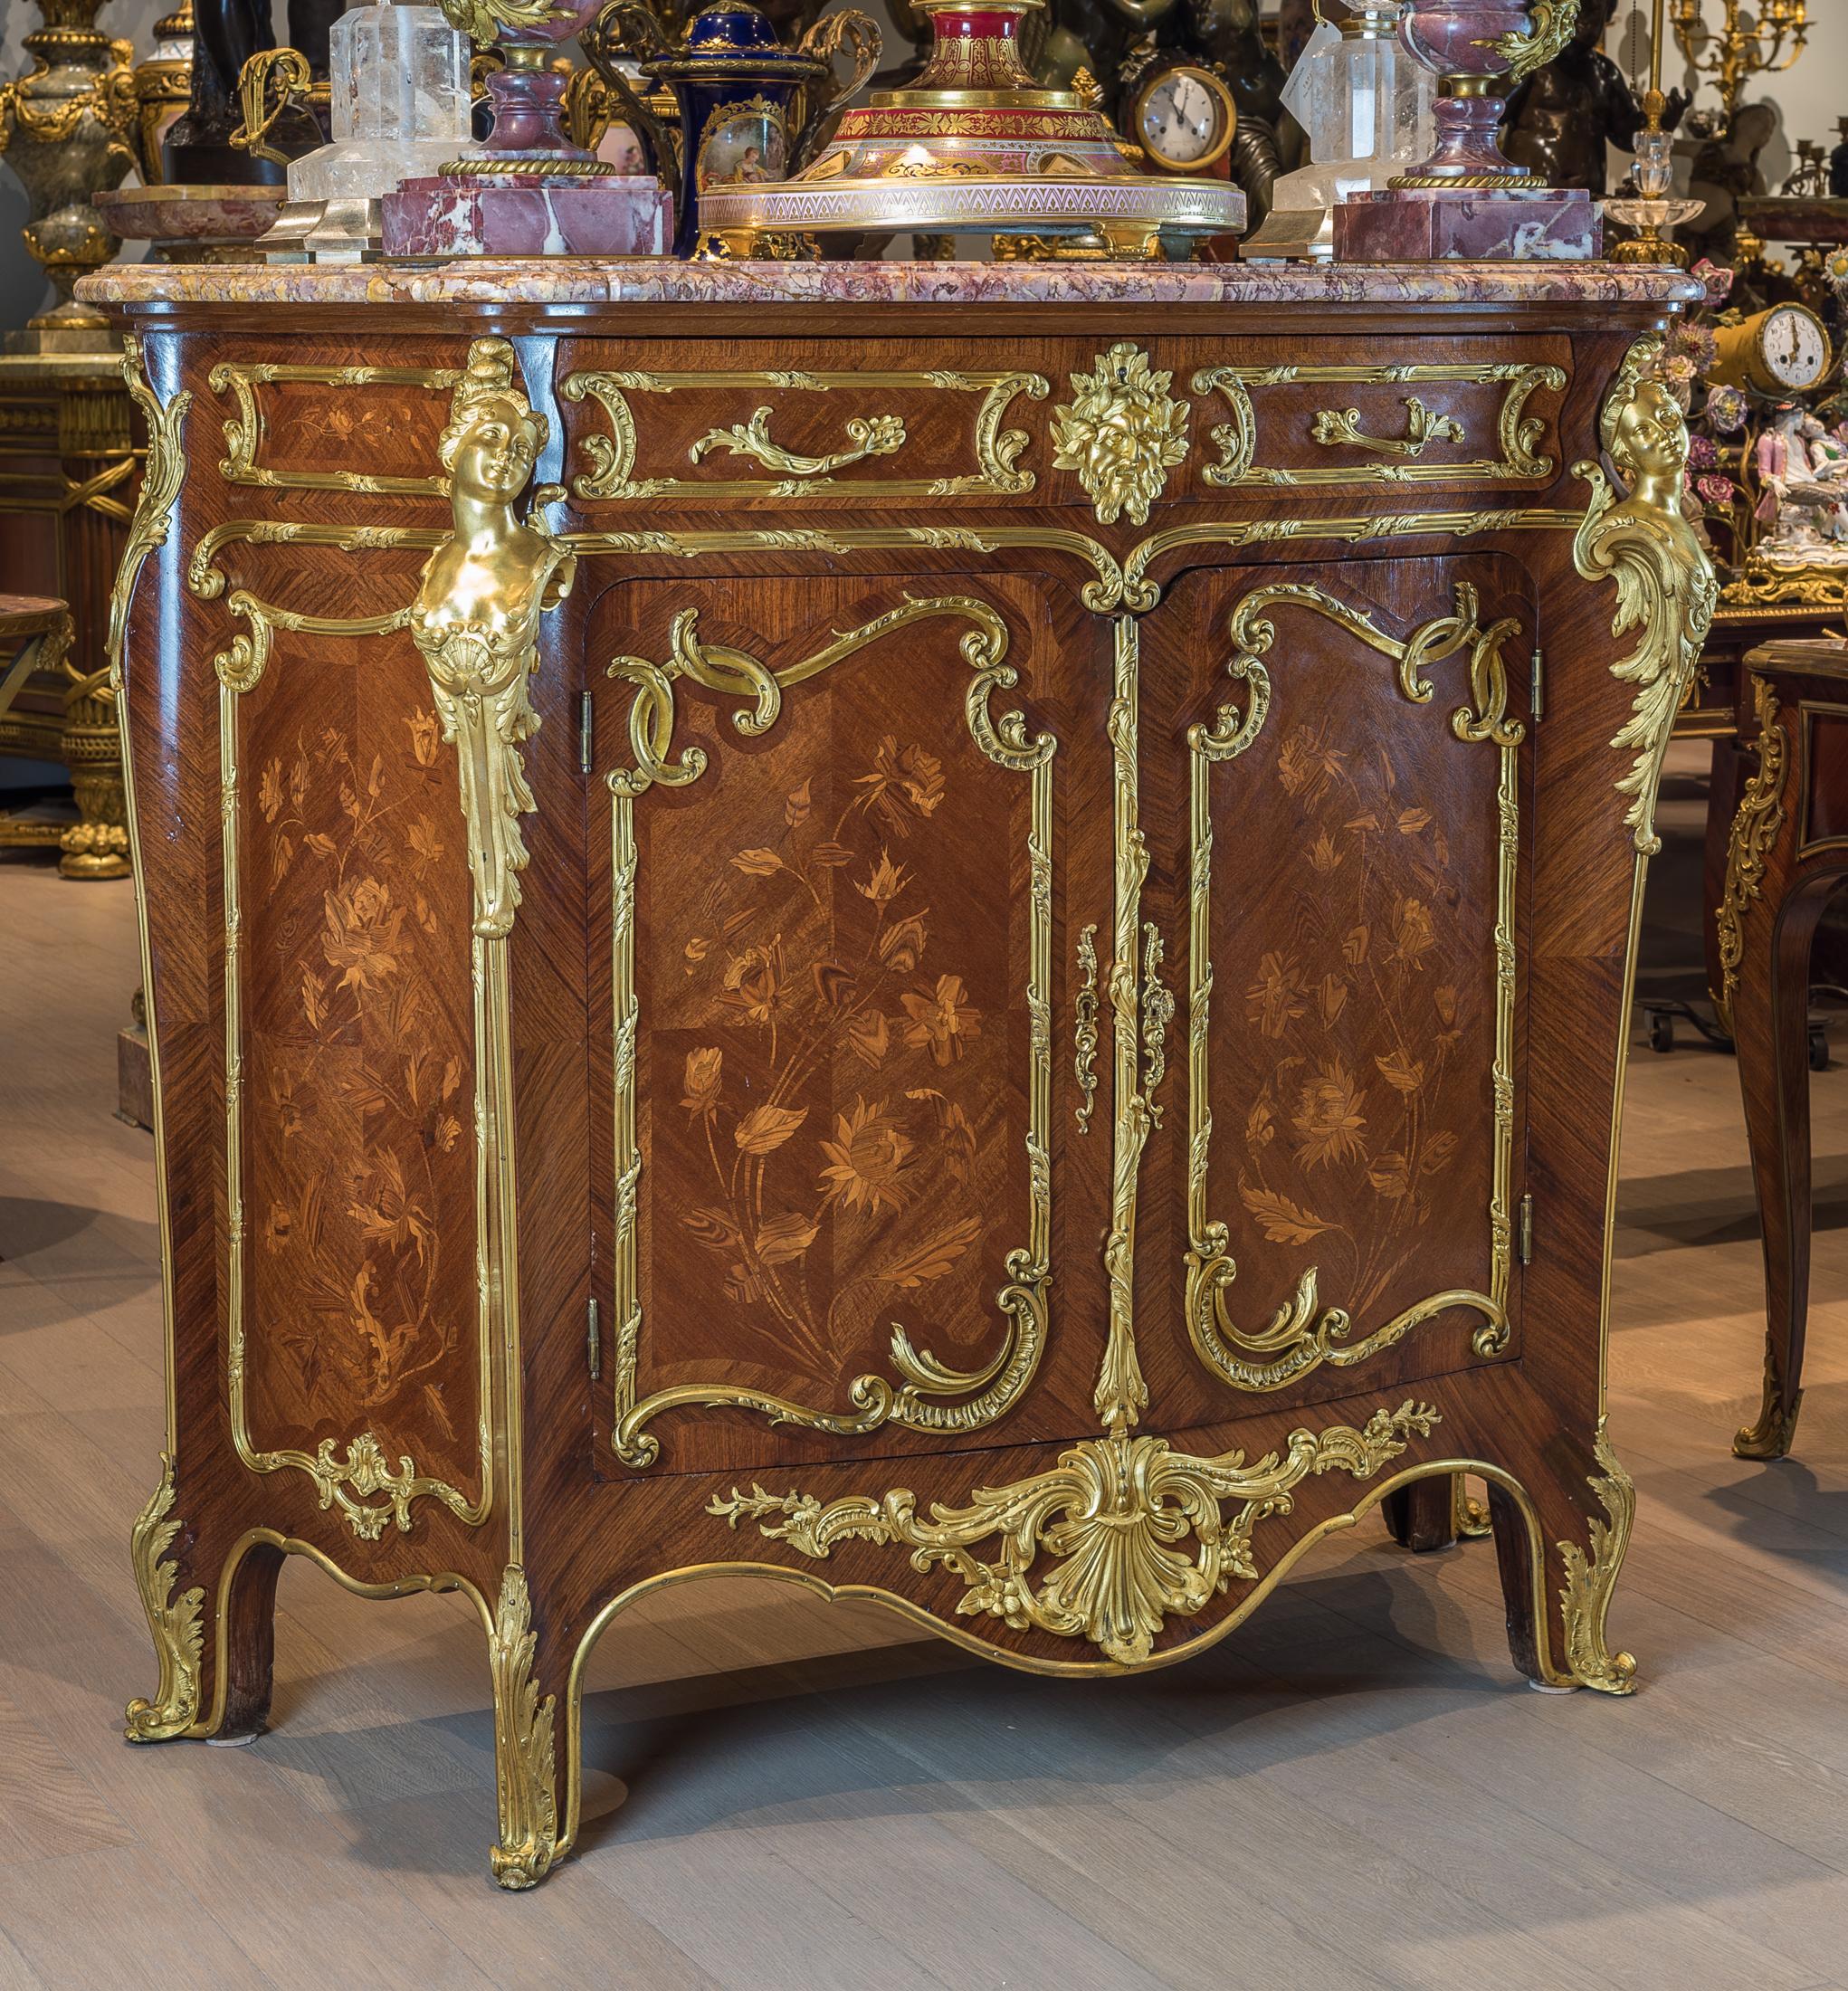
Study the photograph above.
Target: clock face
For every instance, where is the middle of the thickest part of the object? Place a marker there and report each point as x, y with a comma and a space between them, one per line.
1794, 349
1185, 119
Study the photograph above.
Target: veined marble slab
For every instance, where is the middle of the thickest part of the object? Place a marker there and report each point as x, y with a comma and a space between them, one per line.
660, 280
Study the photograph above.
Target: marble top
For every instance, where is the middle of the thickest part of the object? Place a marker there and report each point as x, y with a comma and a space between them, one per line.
661, 279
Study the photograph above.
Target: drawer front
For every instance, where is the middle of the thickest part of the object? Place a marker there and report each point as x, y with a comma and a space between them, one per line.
1444, 422
1111, 427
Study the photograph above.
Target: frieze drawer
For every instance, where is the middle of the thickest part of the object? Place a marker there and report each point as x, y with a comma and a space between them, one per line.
1442, 421
985, 434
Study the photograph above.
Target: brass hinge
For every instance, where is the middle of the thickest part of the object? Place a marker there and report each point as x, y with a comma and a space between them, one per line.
594, 1340
584, 733
1536, 685
1526, 1245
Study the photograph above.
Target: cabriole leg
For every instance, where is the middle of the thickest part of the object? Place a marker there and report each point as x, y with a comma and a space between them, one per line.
525, 1755
1422, 1517
1581, 1546
250, 1643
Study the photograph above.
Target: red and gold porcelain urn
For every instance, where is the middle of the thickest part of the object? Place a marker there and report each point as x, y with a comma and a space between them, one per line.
975, 147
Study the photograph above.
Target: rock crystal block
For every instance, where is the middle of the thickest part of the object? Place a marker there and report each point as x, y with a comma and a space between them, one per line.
400, 104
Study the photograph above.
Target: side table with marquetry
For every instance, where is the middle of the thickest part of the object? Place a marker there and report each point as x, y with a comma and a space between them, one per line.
1786, 854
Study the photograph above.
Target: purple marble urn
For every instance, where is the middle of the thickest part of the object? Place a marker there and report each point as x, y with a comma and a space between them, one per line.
529, 191
1480, 49
1466, 202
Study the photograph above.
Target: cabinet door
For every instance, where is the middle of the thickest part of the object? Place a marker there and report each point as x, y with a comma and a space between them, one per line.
1338, 1190
837, 830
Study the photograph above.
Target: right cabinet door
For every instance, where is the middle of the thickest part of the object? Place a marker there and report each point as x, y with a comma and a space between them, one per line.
1345, 754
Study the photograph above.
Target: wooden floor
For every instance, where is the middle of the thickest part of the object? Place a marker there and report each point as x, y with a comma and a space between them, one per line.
1354, 1791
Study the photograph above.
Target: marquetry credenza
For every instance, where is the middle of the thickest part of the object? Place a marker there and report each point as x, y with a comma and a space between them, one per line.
956, 934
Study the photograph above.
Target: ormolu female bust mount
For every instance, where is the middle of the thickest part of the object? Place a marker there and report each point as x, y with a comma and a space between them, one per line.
476, 617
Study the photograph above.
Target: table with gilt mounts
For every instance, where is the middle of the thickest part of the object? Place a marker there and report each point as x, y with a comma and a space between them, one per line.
958, 934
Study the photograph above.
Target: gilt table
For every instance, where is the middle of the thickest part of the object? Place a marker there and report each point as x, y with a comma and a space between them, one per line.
956, 934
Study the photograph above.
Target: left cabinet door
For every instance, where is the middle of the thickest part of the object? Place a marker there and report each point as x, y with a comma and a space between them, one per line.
835, 826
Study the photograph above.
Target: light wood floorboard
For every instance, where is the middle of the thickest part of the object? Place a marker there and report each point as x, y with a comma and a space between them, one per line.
1354, 1793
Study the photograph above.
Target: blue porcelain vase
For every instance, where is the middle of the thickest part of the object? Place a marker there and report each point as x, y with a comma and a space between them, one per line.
737, 87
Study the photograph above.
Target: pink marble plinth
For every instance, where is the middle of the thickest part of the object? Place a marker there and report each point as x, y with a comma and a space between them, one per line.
1469, 224
513, 215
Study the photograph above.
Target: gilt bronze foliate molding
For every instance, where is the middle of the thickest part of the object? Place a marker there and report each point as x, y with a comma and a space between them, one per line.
1518, 435
525, 1759
1754, 829
161, 477
1591, 1577
174, 1621
1138, 1532
881, 434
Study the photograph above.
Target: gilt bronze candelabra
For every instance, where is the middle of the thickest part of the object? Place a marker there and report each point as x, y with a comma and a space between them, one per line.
1749, 41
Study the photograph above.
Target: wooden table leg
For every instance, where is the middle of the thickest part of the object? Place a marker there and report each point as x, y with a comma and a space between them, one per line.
1423, 1515
1770, 1026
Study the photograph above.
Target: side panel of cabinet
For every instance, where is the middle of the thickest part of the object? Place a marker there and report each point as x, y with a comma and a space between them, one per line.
1337, 757
836, 829
356, 1328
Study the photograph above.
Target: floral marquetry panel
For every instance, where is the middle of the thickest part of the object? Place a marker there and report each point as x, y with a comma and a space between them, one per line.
1350, 944
354, 1289
831, 1213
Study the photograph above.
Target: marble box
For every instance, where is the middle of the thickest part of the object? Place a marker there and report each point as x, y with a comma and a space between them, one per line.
1467, 225
508, 215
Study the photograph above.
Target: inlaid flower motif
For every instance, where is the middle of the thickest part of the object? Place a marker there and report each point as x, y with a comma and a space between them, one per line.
1275, 998
1307, 762
703, 1068
865, 1158
884, 883
901, 944
361, 934
754, 981
942, 1021
423, 737
1413, 934
1122, 434
905, 785
1329, 1120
